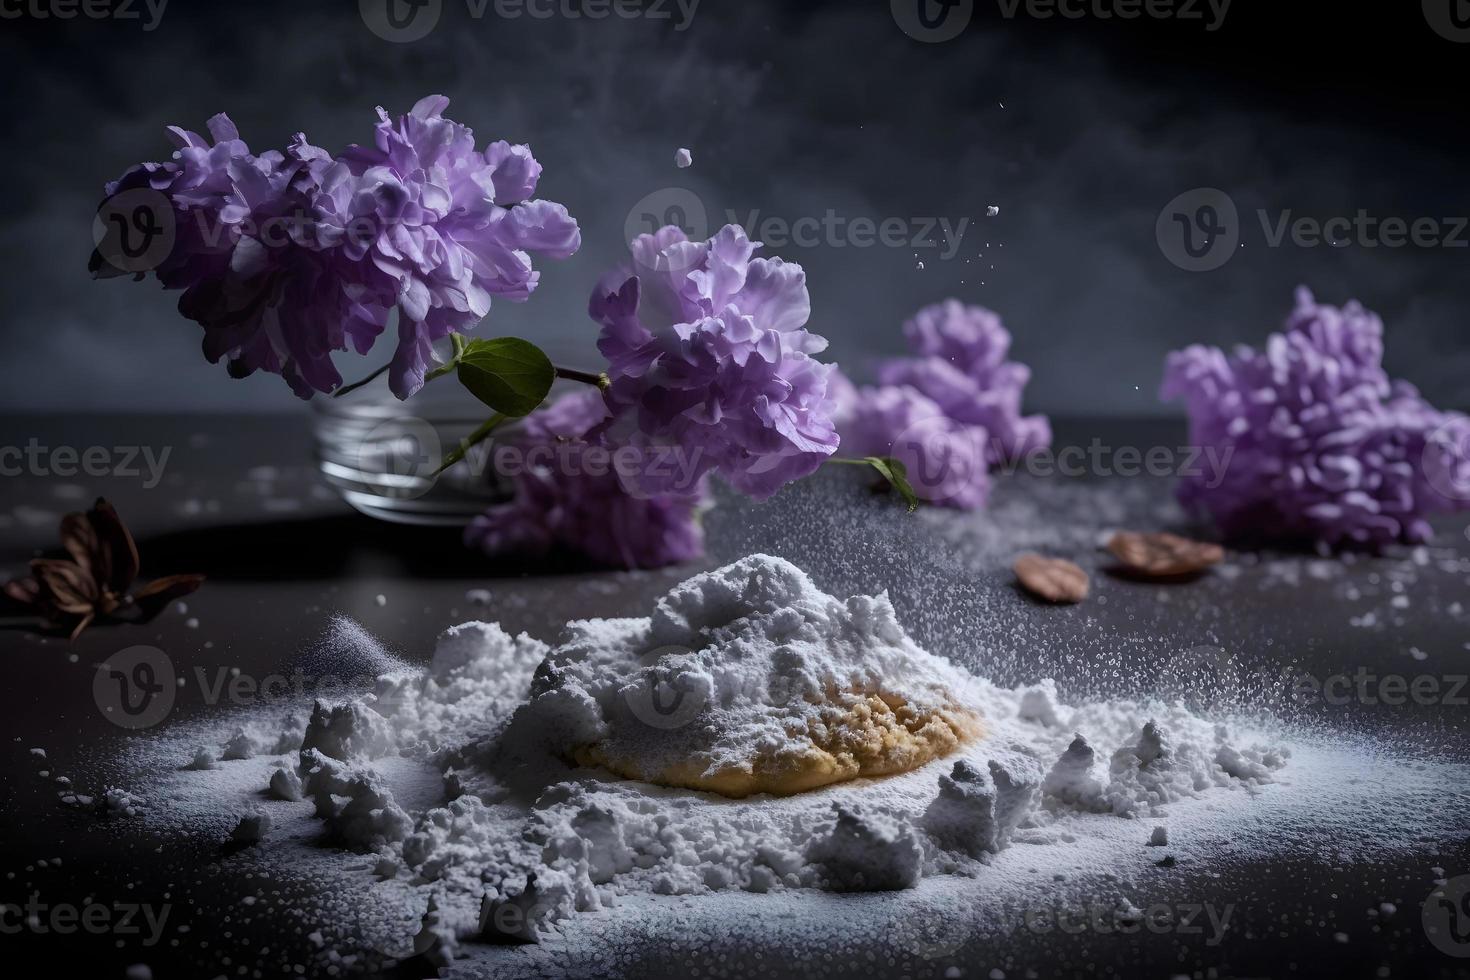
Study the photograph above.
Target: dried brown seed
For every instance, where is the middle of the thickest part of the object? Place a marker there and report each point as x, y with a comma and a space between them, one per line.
1052, 579
1163, 556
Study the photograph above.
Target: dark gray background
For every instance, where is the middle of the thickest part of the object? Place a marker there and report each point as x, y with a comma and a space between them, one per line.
1080, 131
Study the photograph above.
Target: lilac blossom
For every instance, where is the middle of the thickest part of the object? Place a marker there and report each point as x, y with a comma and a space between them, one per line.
945, 461
287, 258
1322, 445
708, 351
570, 493
962, 364
951, 412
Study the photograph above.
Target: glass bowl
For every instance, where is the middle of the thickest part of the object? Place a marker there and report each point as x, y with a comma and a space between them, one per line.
380, 454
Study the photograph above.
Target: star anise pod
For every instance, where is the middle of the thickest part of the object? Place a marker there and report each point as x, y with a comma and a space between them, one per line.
97, 582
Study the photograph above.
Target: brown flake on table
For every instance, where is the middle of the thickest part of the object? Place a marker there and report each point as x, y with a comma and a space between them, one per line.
1162, 556
1053, 579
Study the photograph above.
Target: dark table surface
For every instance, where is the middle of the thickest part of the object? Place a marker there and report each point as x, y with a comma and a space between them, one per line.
240, 501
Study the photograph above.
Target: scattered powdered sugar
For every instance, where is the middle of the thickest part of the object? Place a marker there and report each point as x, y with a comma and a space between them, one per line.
452, 808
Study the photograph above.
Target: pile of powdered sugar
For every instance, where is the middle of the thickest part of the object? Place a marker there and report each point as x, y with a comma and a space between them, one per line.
747, 679
447, 810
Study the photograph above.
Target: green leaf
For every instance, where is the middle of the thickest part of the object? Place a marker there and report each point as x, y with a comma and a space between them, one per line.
897, 476
470, 442
510, 375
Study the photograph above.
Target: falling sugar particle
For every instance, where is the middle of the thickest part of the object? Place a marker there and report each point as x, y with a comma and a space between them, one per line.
683, 158
992, 211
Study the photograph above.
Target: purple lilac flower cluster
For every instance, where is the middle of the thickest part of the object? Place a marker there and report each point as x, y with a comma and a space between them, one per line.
711, 371
949, 413
570, 494
285, 258
708, 352
1322, 445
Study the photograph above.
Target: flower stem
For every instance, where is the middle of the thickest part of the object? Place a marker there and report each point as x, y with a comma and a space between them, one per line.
358, 384
597, 380
585, 377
